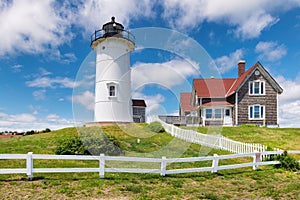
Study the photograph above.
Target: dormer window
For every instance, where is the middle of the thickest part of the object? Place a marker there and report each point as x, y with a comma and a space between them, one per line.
256, 87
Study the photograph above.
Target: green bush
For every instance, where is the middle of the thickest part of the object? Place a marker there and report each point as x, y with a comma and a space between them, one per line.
71, 146
97, 144
47, 130
270, 157
156, 127
287, 162
89, 144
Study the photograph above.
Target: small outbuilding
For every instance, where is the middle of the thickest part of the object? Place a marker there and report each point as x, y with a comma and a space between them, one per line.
139, 110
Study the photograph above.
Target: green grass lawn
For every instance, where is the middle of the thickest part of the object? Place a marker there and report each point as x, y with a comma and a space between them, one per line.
265, 183
283, 138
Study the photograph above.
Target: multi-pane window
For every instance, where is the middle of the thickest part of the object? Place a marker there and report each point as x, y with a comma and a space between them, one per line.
215, 113
218, 113
256, 112
256, 87
112, 91
208, 113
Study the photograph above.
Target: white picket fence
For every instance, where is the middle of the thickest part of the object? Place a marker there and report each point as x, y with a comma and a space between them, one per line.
213, 141
102, 169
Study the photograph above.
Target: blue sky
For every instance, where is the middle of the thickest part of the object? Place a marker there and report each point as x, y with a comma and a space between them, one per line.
44, 45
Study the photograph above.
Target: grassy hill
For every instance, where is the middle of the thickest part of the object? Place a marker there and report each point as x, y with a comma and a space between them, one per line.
283, 138
267, 182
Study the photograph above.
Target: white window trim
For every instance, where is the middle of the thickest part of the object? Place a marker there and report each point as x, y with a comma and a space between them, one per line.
260, 106
213, 114
116, 89
261, 92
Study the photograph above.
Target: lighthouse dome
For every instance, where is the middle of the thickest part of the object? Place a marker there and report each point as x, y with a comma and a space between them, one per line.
112, 28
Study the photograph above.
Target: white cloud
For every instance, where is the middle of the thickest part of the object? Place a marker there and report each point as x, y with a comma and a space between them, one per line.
167, 74
270, 51
35, 109
248, 18
226, 63
46, 82
63, 58
255, 24
26, 121
31, 26
43, 72
289, 103
52, 117
289, 114
87, 99
124, 11
17, 68
24, 117
39, 94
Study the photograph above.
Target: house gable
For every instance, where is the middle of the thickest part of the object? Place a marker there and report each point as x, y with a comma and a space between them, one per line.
266, 100
244, 79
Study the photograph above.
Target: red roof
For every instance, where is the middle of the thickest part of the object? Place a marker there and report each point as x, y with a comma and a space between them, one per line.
220, 87
185, 101
213, 87
138, 102
217, 103
239, 81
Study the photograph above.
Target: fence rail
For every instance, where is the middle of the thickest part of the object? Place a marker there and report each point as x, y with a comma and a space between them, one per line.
213, 141
102, 169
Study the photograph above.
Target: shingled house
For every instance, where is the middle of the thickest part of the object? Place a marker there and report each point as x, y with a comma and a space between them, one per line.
251, 98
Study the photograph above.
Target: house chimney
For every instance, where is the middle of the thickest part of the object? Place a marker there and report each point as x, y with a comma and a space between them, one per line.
241, 67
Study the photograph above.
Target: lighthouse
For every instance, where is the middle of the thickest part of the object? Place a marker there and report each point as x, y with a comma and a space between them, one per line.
113, 44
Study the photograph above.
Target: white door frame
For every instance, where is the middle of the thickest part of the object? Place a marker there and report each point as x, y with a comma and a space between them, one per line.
227, 116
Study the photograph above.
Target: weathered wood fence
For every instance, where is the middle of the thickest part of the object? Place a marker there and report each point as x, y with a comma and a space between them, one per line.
102, 169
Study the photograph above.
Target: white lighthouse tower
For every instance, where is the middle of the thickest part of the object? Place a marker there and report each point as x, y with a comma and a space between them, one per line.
113, 101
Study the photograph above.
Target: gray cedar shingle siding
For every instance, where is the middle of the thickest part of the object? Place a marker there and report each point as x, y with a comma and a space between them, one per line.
269, 100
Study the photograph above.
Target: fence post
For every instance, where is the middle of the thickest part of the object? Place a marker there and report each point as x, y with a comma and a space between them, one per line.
256, 159
102, 165
215, 163
163, 166
29, 166
172, 130
220, 142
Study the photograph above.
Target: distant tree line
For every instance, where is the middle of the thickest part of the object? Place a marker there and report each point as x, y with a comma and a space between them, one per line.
47, 130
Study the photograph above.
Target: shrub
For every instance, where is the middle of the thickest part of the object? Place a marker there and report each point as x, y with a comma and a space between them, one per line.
88, 145
71, 146
101, 144
156, 127
29, 132
270, 157
47, 130
287, 162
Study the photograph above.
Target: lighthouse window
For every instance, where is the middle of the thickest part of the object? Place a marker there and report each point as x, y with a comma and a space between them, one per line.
112, 91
